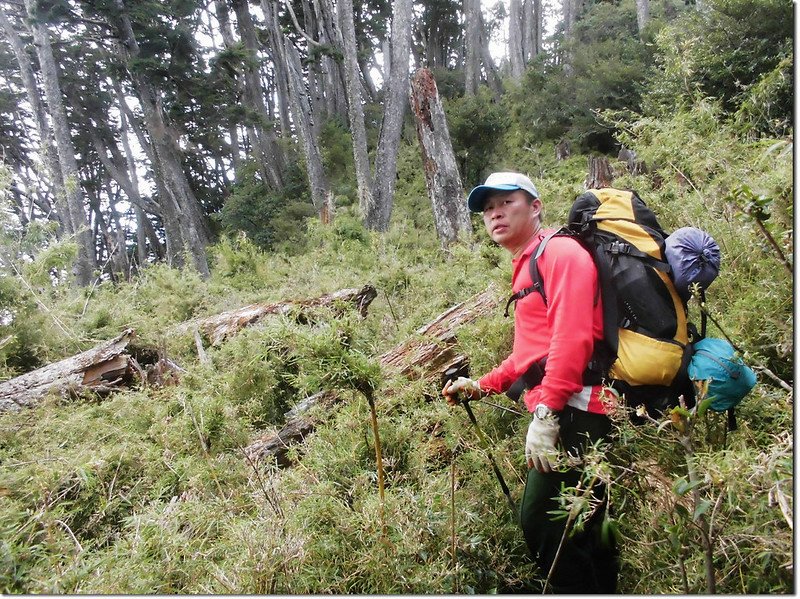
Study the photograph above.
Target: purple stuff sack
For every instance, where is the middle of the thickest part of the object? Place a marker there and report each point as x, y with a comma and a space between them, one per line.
694, 257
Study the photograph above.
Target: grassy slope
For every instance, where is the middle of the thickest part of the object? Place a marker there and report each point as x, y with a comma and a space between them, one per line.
149, 491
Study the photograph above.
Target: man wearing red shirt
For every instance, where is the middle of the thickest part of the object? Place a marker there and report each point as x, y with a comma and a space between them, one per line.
567, 413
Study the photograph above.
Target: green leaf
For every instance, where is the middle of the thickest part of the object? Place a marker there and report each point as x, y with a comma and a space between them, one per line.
702, 408
701, 509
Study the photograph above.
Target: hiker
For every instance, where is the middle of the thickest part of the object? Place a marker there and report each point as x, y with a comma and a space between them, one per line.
567, 415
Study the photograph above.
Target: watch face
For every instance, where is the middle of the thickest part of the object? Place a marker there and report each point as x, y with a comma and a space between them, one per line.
541, 411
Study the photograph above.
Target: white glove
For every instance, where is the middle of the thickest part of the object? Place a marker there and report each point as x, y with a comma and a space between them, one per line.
541, 442
463, 385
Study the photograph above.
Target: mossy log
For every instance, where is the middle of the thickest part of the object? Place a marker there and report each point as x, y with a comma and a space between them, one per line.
428, 353
220, 327
100, 369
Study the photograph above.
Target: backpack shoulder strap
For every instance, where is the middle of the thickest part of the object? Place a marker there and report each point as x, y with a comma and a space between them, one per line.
536, 276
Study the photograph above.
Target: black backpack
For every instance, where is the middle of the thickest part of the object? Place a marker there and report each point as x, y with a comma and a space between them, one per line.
647, 340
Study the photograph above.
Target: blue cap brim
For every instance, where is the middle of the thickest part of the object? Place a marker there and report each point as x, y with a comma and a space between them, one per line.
477, 197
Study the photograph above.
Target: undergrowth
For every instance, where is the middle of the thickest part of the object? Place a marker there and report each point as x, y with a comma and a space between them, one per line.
151, 490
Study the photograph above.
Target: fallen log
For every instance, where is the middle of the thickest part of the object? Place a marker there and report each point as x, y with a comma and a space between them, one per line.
428, 353
221, 326
100, 369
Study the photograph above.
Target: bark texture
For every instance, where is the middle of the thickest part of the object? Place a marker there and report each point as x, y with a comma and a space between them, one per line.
356, 110
76, 212
450, 213
98, 369
472, 41
394, 111
220, 327
516, 54
642, 14
303, 119
427, 354
600, 173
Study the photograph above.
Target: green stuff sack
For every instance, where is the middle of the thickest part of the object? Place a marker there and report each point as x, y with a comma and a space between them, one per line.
729, 378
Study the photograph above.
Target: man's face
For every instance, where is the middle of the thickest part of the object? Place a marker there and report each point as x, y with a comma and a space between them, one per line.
510, 220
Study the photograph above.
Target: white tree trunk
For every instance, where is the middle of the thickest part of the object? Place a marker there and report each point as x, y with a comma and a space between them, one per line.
396, 96
355, 109
450, 214
46, 142
642, 14
301, 111
516, 54
472, 44
84, 262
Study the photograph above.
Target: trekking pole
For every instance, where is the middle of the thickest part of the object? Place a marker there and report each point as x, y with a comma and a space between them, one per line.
463, 370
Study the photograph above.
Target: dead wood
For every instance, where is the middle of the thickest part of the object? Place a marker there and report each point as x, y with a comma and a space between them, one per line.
100, 369
600, 173
429, 352
220, 327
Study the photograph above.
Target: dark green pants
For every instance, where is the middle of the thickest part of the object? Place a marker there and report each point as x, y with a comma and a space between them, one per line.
586, 564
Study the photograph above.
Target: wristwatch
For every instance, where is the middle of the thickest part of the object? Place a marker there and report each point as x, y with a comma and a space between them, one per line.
541, 411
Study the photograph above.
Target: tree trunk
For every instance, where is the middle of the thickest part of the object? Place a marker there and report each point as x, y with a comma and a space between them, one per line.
600, 173
270, 157
97, 369
516, 53
226, 32
84, 263
642, 14
356, 112
222, 326
427, 354
183, 217
46, 142
572, 10
562, 150
301, 111
450, 213
472, 43
336, 81
396, 99
492, 76
532, 29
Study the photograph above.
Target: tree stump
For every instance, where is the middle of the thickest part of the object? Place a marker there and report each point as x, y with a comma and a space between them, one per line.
600, 173
450, 214
562, 150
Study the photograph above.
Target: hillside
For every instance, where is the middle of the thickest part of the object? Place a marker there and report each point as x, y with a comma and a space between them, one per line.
172, 160
149, 490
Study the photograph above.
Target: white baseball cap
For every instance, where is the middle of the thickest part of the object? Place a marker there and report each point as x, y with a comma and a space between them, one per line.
499, 182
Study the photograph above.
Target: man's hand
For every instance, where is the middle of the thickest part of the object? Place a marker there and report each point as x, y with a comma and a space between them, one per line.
462, 384
541, 442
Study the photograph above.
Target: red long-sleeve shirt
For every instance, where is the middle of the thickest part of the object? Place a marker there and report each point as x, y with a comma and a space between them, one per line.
564, 330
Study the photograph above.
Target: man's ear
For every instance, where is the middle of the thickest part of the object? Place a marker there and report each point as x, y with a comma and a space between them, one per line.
536, 206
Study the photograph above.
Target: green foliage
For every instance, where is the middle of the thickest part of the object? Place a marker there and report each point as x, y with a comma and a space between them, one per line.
732, 50
270, 218
608, 64
476, 124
